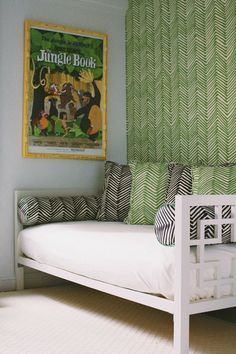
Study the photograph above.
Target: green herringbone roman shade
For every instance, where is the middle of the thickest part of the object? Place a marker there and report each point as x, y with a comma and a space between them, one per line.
148, 191
214, 180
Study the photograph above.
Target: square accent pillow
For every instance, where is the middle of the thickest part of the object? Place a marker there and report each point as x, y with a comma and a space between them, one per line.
216, 180
115, 200
180, 182
185, 183
175, 172
148, 191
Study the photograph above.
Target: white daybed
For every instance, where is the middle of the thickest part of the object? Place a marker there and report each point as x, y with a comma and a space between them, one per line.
127, 261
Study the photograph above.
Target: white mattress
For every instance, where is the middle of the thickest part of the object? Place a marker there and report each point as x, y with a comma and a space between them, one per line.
124, 255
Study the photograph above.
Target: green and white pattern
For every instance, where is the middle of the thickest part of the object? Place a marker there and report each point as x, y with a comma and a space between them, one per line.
214, 180
148, 191
181, 81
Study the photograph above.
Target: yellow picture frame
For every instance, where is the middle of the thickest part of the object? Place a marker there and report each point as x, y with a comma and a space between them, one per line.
65, 92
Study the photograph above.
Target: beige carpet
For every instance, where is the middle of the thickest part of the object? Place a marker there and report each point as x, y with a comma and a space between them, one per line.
76, 320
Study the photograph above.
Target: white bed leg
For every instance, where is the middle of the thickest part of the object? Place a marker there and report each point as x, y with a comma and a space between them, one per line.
181, 333
182, 257
20, 278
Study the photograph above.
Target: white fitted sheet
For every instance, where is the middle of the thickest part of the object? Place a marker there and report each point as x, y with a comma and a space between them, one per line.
113, 252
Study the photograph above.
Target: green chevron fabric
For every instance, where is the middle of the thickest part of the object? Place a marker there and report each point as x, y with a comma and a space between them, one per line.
214, 180
181, 81
148, 191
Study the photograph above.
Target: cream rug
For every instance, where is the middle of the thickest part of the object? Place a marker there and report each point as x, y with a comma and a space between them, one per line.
77, 320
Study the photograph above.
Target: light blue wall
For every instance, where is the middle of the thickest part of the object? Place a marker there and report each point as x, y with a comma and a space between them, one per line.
106, 16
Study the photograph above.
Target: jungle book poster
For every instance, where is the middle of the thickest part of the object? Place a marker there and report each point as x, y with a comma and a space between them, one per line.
64, 92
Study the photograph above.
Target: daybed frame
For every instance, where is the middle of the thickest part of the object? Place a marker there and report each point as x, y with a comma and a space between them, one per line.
181, 308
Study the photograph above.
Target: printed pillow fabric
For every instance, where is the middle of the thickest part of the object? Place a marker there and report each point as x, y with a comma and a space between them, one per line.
164, 226
41, 210
185, 183
148, 191
216, 180
180, 182
115, 200
175, 172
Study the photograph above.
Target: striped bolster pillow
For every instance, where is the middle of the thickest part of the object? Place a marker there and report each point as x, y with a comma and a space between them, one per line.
164, 225
41, 210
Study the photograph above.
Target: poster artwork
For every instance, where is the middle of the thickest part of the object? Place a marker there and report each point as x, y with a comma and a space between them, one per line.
64, 92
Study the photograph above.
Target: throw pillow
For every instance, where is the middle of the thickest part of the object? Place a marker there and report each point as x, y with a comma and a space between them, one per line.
41, 210
115, 199
214, 180
148, 191
164, 226
185, 183
180, 182
175, 172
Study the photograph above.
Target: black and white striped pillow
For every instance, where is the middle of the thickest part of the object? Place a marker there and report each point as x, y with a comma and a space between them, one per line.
180, 182
186, 181
115, 200
175, 172
164, 225
41, 210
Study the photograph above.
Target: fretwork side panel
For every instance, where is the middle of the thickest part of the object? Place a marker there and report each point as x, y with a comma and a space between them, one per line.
219, 282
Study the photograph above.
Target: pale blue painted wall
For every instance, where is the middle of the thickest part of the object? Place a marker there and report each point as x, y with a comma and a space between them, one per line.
106, 16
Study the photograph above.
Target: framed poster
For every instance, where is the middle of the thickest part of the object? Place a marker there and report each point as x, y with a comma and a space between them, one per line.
65, 87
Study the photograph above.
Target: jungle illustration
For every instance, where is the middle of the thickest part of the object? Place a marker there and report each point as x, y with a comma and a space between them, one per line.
66, 85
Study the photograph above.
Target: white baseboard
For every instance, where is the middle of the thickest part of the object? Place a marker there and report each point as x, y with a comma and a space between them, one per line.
7, 284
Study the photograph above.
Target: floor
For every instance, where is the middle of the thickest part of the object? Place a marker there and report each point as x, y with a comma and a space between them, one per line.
73, 319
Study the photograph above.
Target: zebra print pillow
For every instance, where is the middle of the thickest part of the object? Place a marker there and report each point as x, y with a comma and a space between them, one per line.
180, 182
175, 172
164, 226
186, 181
42, 210
115, 200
